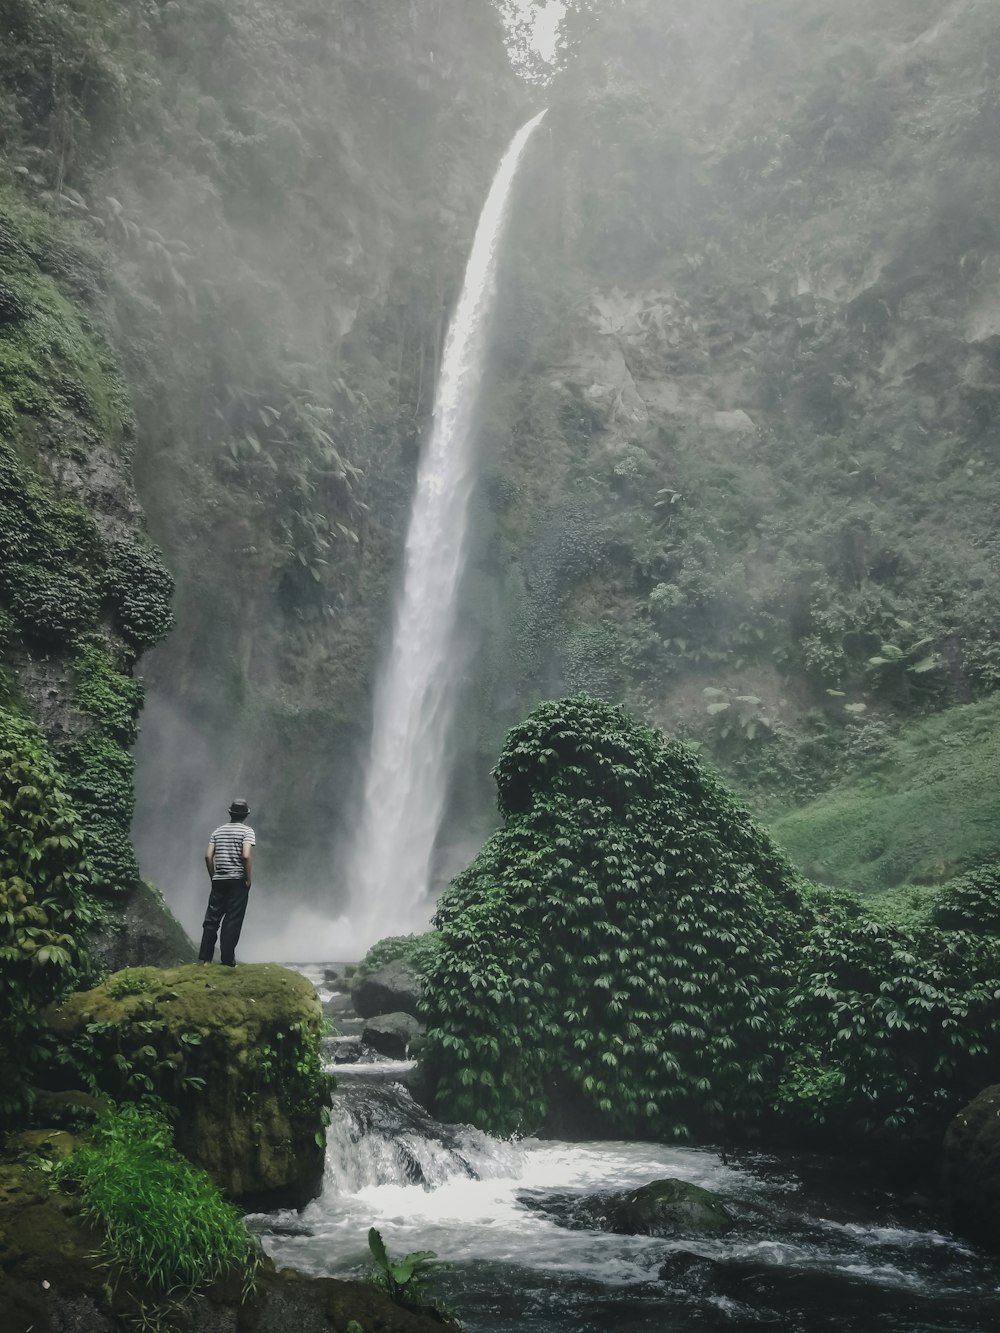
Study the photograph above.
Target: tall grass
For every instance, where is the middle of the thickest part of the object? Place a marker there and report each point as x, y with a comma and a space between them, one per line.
164, 1223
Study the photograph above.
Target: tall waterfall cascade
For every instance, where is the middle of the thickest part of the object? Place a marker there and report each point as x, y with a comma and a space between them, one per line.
388, 865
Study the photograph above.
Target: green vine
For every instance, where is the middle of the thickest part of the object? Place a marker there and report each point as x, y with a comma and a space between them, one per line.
44, 910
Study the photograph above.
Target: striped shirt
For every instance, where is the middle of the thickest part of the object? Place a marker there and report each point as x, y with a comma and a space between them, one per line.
227, 842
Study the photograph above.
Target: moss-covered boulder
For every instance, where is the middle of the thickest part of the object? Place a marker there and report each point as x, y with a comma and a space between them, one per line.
234, 1050
394, 988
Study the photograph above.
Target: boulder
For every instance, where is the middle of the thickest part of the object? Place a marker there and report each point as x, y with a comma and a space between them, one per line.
141, 932
972, 1166
661, 1208
396, 1035
236, 1052
394, 988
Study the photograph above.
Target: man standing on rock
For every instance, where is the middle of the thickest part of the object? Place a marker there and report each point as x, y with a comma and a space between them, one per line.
230, 867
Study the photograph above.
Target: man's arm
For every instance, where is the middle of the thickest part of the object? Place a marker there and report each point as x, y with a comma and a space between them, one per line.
248, 862
210, 859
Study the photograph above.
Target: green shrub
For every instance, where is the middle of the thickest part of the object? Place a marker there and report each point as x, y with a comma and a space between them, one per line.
110, 698
891, 1027
630, 944
140, 589
971, 902
43, 908
418, 950
163, 1222
619, 945
49, 553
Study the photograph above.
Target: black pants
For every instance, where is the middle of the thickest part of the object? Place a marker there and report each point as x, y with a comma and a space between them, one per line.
227, 905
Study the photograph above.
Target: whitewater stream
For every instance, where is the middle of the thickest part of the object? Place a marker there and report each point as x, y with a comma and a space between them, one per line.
816, 1244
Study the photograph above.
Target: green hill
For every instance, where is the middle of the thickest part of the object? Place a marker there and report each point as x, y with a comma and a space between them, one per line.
926, 811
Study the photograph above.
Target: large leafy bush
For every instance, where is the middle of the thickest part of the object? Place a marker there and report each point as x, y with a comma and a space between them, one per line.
631, 946
892, 1023
621, 944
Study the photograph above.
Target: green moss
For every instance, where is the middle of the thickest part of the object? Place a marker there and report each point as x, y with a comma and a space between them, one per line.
53, 361
235, 1052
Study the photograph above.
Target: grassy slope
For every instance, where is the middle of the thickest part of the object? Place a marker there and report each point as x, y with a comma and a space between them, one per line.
928, 810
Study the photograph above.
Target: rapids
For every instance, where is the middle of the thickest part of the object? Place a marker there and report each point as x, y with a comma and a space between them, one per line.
817, 1244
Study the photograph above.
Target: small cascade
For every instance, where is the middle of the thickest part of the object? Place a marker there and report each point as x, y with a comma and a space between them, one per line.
380, 1136
388, 865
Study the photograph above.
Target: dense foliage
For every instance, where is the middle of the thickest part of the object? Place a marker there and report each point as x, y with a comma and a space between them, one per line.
44, 909
162, 1221
621, 943
417, 950
743, 463
891, 1024
632, 944
81, 591
921, 807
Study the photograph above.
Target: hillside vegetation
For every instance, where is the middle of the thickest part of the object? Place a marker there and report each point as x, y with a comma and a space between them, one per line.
743, 441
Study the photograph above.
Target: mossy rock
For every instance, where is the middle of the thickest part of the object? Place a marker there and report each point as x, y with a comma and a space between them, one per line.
143, 932
45, 1253
234, 1050
661, 1208
52, 1145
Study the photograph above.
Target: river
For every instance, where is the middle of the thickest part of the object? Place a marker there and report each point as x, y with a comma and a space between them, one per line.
817, 1245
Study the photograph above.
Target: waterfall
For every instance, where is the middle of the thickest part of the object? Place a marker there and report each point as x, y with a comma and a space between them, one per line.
389, 859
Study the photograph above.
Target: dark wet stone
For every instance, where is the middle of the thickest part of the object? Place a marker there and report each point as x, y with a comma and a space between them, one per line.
394, 988
395, 1035
972, 1167
661, 1208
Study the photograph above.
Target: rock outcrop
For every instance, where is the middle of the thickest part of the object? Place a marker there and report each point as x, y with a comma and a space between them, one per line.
236, 1051
972, 1166
396, 1035
394, 988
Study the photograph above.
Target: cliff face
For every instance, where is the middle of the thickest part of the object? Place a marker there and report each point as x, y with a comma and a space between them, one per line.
231, 236
744, 431
283, 423
739, 446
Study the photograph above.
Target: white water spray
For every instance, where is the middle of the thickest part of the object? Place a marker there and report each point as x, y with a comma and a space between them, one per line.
389, 862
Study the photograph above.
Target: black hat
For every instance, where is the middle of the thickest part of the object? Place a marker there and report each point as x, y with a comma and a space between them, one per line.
239, 809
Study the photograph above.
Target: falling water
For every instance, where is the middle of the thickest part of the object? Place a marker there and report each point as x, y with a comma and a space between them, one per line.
388, 865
